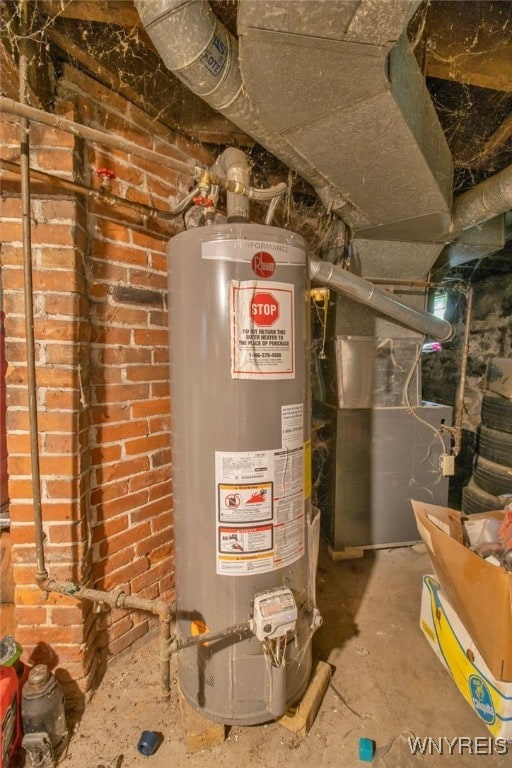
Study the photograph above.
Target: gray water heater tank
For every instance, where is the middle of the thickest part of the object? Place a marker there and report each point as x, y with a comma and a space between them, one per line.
239, 356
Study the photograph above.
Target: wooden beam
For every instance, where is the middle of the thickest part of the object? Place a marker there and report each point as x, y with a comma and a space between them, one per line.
488, 151
470, 42
121, 12
122, 62
10, 78
300, 719
40, 82
64, 37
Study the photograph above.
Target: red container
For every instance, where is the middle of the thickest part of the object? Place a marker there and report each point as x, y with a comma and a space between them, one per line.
10, 730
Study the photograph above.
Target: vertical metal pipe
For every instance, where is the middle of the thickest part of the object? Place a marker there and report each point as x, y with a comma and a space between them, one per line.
29, 300
459, 398
165, 661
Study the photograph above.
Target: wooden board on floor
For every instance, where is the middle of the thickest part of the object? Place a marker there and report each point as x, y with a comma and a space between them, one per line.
348, 553
300, 719
199, 732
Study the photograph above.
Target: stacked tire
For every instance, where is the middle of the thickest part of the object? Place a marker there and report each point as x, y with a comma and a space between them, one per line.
492, 470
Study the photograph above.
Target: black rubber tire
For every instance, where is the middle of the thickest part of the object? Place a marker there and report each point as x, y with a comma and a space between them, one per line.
475, 500
491, 477
497, 412
495, 445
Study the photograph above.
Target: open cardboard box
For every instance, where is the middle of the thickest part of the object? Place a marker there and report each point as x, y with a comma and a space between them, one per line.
479, 592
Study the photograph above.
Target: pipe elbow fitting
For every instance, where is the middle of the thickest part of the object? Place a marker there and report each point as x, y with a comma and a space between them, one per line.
165, 611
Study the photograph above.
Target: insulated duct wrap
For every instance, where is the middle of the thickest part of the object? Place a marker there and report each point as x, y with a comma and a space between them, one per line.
308, 82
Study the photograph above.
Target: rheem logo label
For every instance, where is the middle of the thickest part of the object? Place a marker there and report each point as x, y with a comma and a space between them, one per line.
263, 264
264, 309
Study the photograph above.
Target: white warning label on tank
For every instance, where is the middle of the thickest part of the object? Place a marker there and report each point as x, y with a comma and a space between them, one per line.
262, 330
292, 425
260, 510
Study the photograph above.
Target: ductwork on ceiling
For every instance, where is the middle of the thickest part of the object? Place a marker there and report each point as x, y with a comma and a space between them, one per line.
332, 88
334, 91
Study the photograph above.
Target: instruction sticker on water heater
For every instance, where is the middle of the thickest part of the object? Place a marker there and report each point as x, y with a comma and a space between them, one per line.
260, 510
262, 330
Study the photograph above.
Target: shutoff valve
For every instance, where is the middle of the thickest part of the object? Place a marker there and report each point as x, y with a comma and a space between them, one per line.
275, 613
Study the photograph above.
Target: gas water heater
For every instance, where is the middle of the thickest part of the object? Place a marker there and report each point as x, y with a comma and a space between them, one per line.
245, 538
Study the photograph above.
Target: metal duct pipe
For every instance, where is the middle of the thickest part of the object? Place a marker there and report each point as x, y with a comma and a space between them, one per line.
203, 54
488, 199
347, 284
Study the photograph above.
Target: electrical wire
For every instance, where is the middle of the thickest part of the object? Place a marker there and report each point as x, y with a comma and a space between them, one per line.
412, 410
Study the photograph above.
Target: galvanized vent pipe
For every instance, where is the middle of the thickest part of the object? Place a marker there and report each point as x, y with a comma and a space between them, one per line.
359, 289
488, 199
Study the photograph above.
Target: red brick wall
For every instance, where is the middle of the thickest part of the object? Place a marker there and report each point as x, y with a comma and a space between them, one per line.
100, 280
53, 628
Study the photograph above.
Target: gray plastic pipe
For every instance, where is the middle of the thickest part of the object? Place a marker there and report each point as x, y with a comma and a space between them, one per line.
359, 289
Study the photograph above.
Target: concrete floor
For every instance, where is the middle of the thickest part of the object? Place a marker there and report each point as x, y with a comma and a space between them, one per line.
387, 685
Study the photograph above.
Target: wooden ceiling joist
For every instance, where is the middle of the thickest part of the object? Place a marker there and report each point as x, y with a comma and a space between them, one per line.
121, 12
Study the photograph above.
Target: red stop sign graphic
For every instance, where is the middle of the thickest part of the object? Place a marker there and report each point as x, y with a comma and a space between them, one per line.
264, 309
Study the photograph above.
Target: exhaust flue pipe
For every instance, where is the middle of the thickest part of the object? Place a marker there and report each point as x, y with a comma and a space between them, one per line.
359, 289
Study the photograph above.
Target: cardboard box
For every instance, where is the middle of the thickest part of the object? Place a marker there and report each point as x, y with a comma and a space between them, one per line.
498, 377
491, 699
480, 593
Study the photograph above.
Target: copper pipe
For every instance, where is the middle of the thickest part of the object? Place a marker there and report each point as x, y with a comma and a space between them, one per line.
100, 194
28, 297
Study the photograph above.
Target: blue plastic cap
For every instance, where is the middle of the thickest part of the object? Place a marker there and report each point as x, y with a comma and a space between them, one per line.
366, 750
148, 743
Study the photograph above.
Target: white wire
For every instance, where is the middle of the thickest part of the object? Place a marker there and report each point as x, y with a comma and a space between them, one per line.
412, 411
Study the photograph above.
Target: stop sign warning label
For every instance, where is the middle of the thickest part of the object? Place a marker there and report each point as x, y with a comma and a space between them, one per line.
264, 309
262, 330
